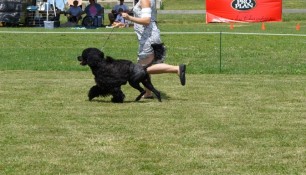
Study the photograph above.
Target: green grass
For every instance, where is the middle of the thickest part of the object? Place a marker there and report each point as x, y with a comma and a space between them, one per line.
222, 124
248, 119
294, 4
240, 54
183, 5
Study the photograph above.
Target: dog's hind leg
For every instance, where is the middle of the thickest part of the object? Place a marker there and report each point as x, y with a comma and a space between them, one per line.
140, 95
151, 88
94, 91
139, 88
148, 84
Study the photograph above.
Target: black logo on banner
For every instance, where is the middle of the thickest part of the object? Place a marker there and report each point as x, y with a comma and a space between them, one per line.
243, 4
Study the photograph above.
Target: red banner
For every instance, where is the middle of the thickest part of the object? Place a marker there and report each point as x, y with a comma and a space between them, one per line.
243, 10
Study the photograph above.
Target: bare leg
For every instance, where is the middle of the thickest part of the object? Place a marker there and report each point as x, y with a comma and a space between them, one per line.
160, 69
163, 68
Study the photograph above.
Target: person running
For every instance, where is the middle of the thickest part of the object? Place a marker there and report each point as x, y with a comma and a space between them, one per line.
148, 33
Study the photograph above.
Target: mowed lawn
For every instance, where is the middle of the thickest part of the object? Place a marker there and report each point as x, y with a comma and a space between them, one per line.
216, 124
247, 118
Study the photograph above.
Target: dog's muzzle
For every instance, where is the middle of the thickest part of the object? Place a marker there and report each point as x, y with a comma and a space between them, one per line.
82, 62
80, 58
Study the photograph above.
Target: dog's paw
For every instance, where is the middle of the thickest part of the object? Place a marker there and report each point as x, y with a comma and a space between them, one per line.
117, 100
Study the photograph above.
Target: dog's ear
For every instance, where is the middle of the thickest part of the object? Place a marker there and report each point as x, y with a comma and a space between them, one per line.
93, 60
98, 52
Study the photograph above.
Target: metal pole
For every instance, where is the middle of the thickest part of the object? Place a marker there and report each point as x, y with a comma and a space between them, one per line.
220, 66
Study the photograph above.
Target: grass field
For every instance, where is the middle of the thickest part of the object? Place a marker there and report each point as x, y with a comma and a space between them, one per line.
241, 52
247, 119
217, 124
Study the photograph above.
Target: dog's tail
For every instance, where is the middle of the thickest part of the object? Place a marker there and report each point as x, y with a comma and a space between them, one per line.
159, 54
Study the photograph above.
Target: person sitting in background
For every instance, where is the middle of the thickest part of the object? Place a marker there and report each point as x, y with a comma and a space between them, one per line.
94, 9
94, 15
115, 11
119, 22
74, 12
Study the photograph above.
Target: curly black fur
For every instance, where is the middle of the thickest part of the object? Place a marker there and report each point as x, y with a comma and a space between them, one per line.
110, 74
159, 52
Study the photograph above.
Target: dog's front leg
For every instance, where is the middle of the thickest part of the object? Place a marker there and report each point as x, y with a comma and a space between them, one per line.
118, 95
94, 91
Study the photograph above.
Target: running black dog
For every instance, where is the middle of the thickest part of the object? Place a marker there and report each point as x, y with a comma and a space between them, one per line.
110, 74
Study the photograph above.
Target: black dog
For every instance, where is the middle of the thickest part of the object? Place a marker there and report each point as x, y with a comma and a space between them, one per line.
111, 74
